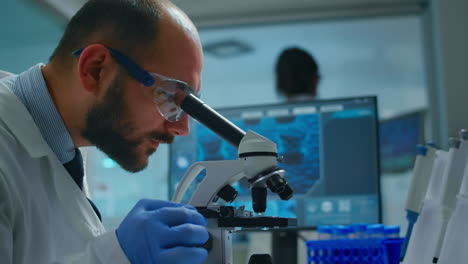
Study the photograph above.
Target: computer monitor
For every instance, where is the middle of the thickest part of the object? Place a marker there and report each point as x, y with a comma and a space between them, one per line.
399, 137
330, 154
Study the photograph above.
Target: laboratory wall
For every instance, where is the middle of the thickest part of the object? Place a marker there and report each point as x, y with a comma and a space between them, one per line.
447, 66
381, 56
28, 34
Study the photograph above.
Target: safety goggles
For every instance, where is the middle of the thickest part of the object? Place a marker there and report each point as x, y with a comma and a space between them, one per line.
168, 93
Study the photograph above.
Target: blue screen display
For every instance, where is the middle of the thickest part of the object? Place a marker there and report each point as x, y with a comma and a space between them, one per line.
398, 139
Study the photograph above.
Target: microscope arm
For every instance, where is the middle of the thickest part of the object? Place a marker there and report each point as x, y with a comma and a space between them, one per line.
257, 167
226, 171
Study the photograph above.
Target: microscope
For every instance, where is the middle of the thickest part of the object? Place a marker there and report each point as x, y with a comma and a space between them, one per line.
257, 162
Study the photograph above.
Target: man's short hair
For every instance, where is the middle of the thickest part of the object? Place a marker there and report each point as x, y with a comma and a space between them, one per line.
296, 72
127, 25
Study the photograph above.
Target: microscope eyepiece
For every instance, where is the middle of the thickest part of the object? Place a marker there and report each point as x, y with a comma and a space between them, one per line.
279, 185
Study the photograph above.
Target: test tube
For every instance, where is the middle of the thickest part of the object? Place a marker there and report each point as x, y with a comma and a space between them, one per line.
341, 232
392, 231
324, 232
359, 231
375, 231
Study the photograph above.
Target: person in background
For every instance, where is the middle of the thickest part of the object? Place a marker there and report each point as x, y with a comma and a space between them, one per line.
114, 81
297, 75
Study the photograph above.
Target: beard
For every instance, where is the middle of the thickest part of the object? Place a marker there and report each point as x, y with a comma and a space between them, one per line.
108, 130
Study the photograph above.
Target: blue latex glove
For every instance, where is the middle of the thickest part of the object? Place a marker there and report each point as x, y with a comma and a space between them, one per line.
162, 232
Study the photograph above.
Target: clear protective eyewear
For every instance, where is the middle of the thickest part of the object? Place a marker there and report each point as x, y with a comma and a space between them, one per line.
168, 93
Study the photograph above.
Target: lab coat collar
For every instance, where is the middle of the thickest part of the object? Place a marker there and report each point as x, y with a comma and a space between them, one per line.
21, 124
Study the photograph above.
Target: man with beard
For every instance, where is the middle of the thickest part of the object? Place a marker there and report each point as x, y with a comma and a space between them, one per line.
115, 81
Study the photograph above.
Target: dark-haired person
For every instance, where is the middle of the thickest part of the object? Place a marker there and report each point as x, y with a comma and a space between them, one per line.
297, 75
112, 82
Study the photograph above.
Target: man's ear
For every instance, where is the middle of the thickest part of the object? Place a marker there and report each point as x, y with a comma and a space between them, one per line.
93, 65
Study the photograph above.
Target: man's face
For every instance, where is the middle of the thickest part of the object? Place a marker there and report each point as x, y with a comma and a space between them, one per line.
125, 123
110, 129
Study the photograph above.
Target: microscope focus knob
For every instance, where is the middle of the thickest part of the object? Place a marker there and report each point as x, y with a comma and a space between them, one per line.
208, 244
279, 185
287, 193
227, 193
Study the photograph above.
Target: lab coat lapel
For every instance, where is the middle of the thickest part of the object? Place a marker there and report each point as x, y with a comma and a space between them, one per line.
73, 201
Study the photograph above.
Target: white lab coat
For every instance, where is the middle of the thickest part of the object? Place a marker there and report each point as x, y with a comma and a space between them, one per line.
4, 74
44, 217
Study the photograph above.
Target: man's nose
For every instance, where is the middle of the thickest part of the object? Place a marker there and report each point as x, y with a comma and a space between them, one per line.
179, 128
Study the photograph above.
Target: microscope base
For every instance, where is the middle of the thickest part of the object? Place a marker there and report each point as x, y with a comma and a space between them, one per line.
224, 220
